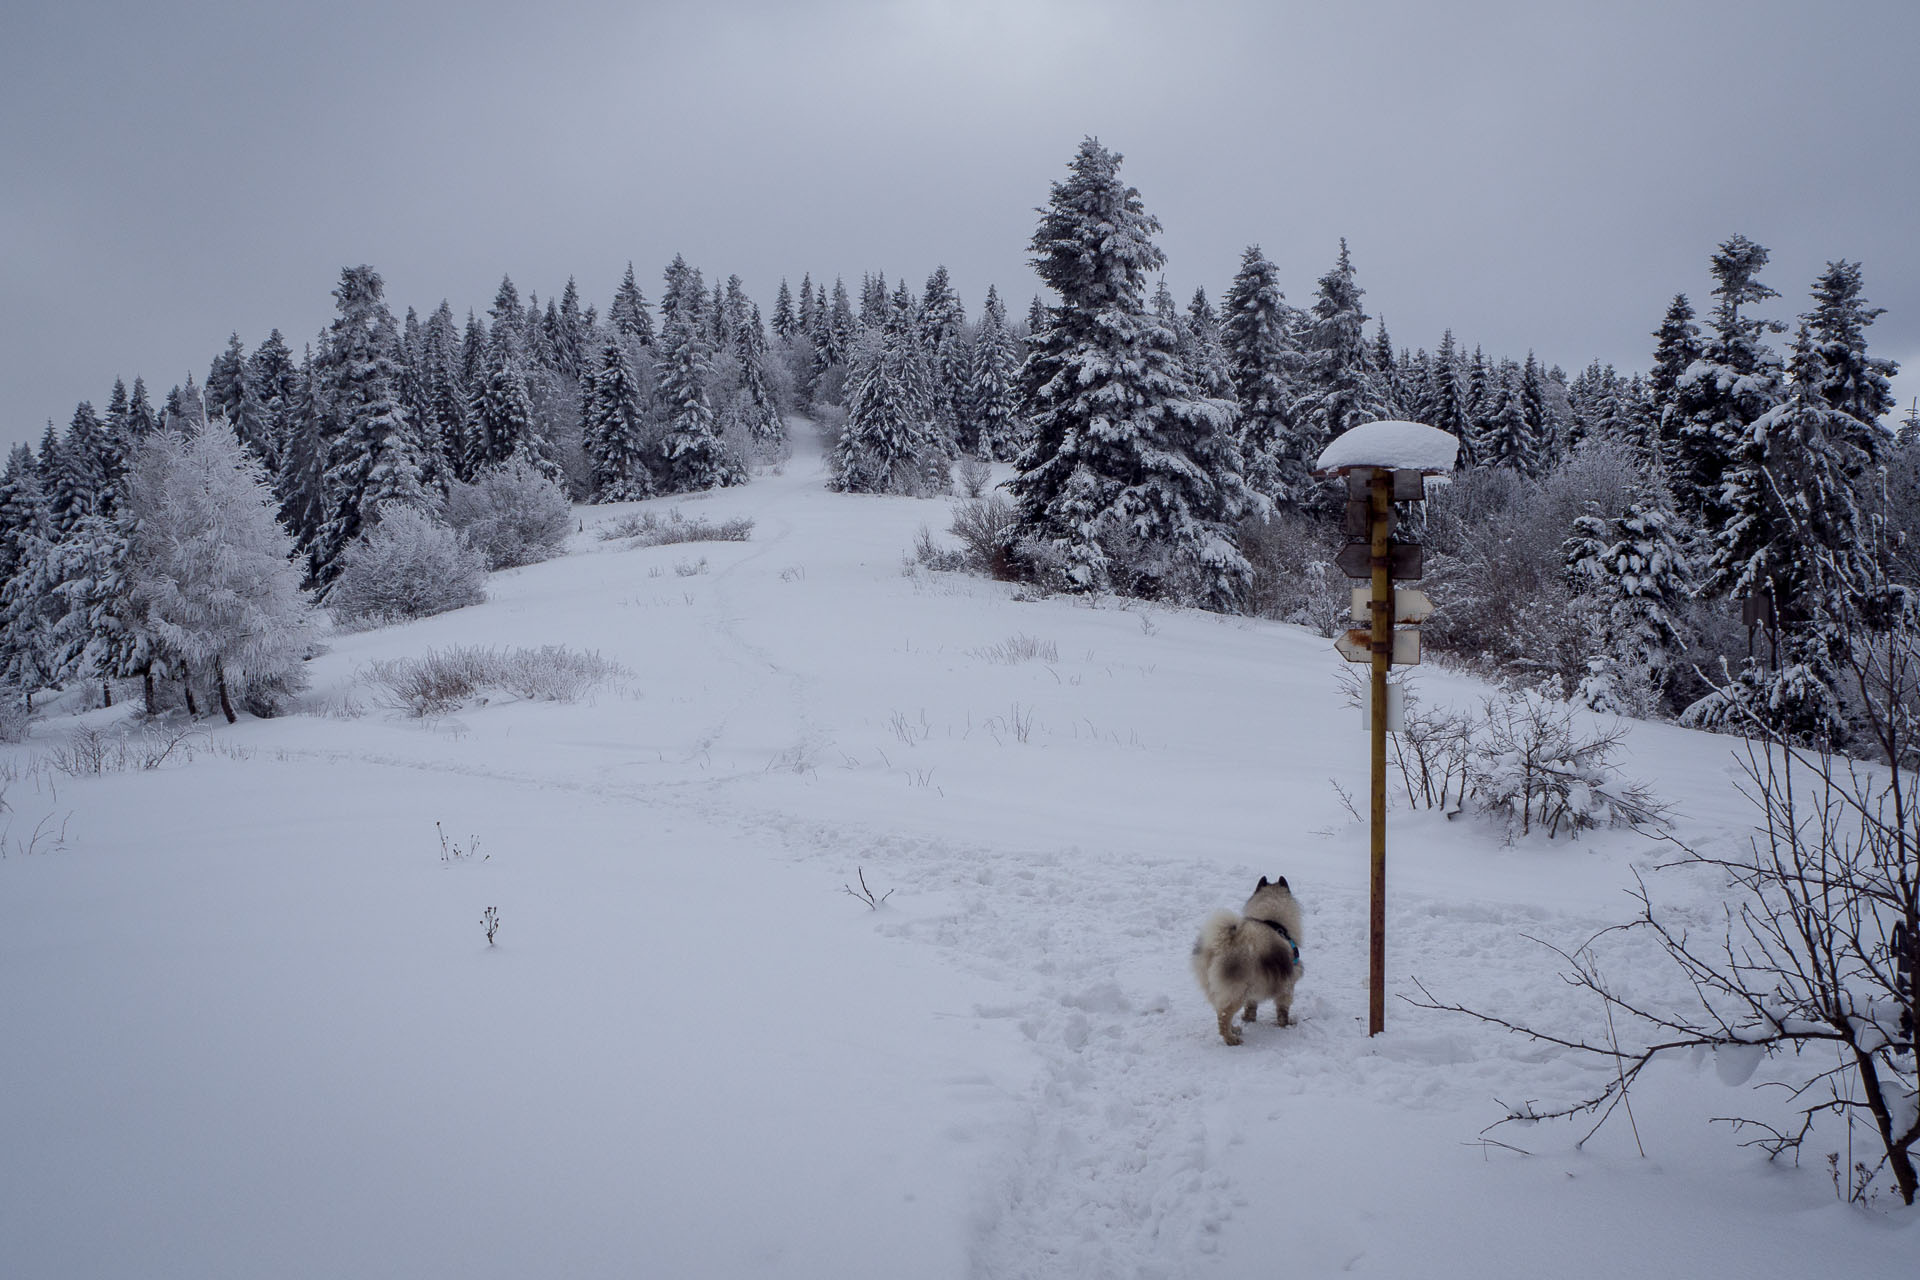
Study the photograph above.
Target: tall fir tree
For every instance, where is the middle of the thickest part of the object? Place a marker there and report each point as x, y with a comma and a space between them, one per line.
1338, 390
629, 314
1844, 377
891, 442
1736, 379
696, 456
371, 458
785, 323
1131, 479
992, 426
1257, 330
613, 427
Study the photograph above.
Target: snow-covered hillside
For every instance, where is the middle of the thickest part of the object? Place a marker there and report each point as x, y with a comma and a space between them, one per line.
253, 1026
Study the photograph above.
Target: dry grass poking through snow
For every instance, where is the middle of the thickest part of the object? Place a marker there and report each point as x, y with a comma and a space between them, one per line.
647, 529
1019, 647
441, 679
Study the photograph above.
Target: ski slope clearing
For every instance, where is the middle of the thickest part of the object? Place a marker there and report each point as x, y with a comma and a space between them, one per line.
254, 1026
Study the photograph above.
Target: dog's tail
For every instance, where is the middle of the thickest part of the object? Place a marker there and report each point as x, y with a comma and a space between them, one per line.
1218, 933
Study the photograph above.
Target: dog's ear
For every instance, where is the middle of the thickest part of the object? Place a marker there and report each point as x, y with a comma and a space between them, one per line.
1262, 884
1281, 883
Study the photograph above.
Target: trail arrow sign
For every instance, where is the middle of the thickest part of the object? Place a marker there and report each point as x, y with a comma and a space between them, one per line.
1409, 605
1357, 646
1406, 560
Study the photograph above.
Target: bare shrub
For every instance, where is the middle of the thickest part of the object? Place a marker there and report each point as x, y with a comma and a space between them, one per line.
407, 566
13, 714
440, 680
512, 515
987, 528
90, 752
647, 529
1294, 577
974, 474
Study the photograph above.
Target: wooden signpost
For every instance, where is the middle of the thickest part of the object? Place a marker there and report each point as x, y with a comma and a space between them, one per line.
1383, 463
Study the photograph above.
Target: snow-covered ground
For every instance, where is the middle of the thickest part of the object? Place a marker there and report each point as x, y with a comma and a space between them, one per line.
252, 1025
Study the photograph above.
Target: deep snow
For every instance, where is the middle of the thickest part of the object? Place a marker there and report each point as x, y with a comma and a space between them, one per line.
253, 1026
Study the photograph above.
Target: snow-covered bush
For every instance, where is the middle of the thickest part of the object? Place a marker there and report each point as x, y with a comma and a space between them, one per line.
973, 475
406, 566
441, 679
512, 515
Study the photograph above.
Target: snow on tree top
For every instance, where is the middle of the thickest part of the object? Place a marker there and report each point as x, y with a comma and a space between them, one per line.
1403, 446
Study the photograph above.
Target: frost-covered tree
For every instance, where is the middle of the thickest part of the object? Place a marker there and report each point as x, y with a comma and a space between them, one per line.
696, 456
1256, 329
99, 633
1131, 479
613, 428
502, 413
1505, 437
208, 569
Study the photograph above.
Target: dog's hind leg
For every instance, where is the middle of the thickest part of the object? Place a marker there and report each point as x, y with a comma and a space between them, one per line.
1252, 1015
1228, 1032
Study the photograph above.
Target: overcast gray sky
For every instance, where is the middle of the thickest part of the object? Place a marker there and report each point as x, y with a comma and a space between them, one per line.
1534, 175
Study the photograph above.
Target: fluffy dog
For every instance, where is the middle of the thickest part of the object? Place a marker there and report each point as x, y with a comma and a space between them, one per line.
1241, 960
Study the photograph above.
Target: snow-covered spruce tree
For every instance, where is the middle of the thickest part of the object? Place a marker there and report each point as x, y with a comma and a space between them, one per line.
696, 456
275, 380
891, 443
755, 407
1504, 438
993, 424
1847, 379
1793, 533
613, 427
1735, 379
208, 568
628, 314
1256, 329
370, 457
1446, 406
28, 609
1543, 432
785, 323
503, 411
943, 323
1676, 347
1338, 389
1131, 480
80, 472
1634, 569
1201, 349
99, 633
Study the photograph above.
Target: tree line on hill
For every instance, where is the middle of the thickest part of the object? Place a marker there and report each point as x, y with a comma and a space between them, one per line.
1595, 527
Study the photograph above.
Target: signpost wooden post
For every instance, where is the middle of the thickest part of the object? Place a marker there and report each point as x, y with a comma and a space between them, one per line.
1383, 463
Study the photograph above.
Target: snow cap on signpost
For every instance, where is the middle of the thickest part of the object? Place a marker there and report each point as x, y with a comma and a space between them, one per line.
1396, 446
